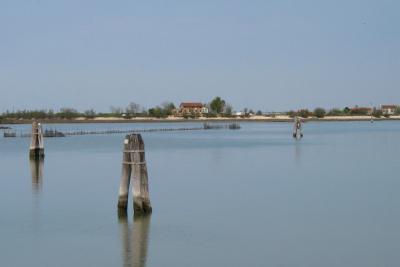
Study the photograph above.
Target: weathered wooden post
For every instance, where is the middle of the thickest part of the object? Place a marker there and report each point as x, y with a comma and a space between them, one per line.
125, 177
134, 168
297, 128
36, 150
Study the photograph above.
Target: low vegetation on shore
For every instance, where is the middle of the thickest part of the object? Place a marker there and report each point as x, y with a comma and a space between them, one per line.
217, 108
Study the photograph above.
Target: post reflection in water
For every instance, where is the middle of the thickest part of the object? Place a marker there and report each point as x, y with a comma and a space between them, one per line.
36, 166
297, 153
134, 239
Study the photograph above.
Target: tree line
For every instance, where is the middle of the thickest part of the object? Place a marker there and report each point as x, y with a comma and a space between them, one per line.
217, 107
321, 112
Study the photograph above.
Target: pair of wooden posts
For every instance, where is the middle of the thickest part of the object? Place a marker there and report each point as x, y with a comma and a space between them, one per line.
133, 168
297, 128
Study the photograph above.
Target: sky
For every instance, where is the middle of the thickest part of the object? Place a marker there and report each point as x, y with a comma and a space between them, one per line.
270, 55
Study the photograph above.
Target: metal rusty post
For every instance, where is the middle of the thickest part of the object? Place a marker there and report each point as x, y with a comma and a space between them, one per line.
36, 150
134, 168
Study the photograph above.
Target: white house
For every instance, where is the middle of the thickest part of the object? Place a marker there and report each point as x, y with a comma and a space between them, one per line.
388, 109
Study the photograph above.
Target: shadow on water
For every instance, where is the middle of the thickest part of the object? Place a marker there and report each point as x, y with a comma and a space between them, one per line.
134, 238
36, 166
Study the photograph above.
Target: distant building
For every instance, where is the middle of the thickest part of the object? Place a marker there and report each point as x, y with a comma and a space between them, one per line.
192, 108
388, 109
361, 110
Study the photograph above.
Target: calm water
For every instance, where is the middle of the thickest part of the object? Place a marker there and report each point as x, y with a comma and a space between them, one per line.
253, 197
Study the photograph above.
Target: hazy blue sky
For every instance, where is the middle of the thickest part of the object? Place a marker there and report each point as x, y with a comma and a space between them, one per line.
269, 55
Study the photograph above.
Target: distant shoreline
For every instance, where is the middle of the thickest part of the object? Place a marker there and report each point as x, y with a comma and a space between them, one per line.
201, 120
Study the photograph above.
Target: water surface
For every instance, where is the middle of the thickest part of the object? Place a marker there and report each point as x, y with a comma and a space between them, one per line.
253, 197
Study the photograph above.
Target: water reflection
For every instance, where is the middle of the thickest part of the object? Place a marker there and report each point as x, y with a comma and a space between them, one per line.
134, 238
36, 166
297, 152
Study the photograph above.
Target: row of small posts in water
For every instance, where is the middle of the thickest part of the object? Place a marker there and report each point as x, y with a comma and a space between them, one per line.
297, 130
56, 133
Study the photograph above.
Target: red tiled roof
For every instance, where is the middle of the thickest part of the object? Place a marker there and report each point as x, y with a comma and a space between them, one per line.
360, 108
388, 106
191, 105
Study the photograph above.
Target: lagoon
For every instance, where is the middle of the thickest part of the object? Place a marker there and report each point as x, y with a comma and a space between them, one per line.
249, 197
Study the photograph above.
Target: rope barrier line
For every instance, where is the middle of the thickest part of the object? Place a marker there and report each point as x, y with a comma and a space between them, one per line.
134, 163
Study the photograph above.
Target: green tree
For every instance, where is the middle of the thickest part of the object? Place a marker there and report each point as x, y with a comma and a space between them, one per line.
90, 113
133, 108
156, 112
217, 105
304, 113
168, 108
397, 111
116, 111
291, 113
68, 113
319, 112
228, 110
377, 113
335, 112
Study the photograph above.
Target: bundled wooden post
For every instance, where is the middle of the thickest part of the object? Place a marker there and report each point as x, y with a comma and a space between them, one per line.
134, 167
36, 150
297, 128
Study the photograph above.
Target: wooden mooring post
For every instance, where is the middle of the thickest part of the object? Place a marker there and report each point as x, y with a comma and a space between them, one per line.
36, 150
297, 128
134, 168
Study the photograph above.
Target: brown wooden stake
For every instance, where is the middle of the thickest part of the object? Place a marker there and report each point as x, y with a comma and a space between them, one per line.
36, 149
134, 168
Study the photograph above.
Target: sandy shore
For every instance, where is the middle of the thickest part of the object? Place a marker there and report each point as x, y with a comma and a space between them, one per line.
202, 119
